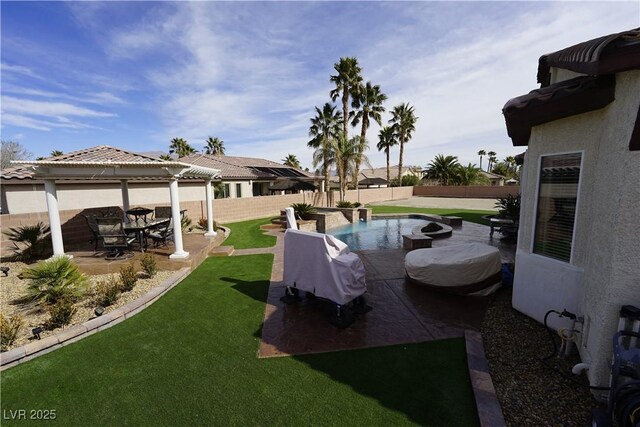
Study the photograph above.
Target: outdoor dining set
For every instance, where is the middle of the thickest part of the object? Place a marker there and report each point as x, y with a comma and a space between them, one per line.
119, 232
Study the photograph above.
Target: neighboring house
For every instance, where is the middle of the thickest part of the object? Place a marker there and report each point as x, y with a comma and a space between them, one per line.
247, 176
393, 172
579, 244
21, 192
494, 178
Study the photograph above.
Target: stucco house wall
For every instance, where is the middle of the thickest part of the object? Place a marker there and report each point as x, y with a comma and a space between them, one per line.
605, 263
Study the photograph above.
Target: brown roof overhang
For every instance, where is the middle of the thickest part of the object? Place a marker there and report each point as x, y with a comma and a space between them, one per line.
557, 101
597, 57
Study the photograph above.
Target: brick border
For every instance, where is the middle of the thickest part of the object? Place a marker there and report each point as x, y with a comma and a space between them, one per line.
75, 333
487, 404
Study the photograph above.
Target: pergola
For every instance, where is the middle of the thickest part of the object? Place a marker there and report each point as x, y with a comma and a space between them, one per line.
124, 171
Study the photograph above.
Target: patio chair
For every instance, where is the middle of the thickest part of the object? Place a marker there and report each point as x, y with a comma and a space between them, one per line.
93, 227
163, 234
111, 231
162, 212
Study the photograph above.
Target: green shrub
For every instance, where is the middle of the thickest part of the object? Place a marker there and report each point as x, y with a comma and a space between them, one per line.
128, 277
509, 206
148, 264
107, 290
9, 328
348, 205
410, 181
60, 313
54, 279
303, 210
28, 241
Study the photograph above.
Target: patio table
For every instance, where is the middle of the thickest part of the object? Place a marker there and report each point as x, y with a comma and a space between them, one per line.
140, 226
139, 213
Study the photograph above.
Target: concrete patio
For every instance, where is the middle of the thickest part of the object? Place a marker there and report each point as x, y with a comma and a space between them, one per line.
402, 312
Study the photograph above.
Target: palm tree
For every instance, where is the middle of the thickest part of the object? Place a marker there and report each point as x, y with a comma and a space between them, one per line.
325, 127
291, 160
367, 102
443, 168
510, 161
214, 146
481, 153
492, 159
386, 140
347, 81
181, 147
345, 152
468, 175
403, 121
56, 153
166, 157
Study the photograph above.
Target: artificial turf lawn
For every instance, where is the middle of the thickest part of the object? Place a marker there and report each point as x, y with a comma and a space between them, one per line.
466, 215
190, 358
247, 234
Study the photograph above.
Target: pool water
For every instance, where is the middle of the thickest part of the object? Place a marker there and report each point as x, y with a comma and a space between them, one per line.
379, 233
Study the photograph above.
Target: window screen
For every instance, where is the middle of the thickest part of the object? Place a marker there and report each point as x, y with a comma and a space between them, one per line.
238, 190
557, 197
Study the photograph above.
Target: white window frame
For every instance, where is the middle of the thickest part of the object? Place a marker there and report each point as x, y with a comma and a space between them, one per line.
535, 205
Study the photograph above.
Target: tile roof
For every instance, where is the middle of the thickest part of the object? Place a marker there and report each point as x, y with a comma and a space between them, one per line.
93, 154
604, 55
244, 167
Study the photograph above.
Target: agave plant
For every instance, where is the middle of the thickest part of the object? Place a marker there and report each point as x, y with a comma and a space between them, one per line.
303, 210
55, 279
28, 241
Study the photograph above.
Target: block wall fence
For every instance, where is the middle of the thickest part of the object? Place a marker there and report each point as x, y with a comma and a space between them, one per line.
470, 191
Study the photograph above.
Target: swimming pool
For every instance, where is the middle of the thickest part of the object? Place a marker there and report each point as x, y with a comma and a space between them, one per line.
379, 233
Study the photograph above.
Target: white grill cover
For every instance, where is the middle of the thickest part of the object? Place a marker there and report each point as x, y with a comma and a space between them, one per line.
452, 266
323, 265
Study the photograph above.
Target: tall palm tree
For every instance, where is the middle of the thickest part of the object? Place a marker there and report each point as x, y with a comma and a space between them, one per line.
291, 160
481, 153
347, 81
181, 147
403, 121
165, 157
325, 127
492, 159
386, 140
510, 161
214, 146
56, 153
443, 168
367, 102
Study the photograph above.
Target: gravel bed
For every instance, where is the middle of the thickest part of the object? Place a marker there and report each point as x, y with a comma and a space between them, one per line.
13, 288
530, 393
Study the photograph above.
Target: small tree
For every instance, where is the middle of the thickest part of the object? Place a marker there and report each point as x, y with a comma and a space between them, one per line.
12, 150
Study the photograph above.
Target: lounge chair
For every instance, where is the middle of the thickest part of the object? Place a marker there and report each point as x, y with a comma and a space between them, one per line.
323, 266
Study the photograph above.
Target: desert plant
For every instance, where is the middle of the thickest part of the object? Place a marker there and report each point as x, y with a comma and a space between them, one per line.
357, 204
128, 277
148, 264
202, 223
60, 313
54, 279
344, 204
28, 241
186, 223
9, 328
509, 206
303, 210
107, 290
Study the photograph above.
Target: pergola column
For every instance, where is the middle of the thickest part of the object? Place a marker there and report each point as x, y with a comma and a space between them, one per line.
209, 199
175, 216
54, 217
124, 187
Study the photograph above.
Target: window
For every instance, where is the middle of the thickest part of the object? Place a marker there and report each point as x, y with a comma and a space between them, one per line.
227, 191
557, 198
238, 190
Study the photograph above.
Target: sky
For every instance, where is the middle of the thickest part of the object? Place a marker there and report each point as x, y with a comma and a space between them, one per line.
134, 75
